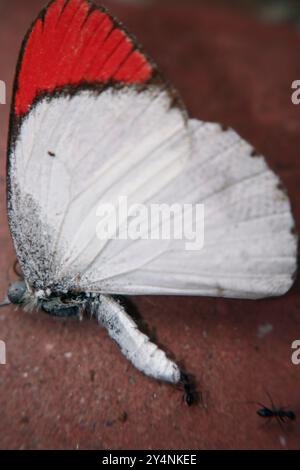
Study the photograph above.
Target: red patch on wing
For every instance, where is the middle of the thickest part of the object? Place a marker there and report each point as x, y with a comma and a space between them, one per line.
73, 45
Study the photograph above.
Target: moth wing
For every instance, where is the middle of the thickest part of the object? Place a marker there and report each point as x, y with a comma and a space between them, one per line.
95, 122
250, 246
98, 123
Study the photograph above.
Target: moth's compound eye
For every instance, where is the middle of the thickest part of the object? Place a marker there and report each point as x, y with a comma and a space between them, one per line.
16, 292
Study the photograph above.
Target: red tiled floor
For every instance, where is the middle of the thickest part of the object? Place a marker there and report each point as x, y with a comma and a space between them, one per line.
66, 385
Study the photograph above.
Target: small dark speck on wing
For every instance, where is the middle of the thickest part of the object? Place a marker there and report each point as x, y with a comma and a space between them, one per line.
254, 153
51, 154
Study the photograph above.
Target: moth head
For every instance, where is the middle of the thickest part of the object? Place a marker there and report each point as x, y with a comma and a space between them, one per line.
16, 292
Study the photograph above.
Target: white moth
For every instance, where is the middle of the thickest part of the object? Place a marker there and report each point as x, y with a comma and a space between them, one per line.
107, 125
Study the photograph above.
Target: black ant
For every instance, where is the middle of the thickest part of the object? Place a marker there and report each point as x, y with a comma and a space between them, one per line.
188, 396
281, 414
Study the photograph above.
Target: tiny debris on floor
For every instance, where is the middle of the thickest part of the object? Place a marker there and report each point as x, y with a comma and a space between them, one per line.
264, 330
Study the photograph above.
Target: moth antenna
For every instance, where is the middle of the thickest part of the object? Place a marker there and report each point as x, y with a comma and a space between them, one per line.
5, 302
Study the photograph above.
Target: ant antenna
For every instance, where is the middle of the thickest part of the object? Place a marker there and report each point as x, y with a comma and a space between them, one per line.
271, 400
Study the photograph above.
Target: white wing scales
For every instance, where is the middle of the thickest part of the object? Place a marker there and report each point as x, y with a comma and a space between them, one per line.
125, 143
88, 150
249, 250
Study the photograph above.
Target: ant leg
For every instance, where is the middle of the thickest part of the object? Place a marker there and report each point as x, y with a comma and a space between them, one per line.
266, 423
188, 395
269, 421
271, 401
260, 404
279, 422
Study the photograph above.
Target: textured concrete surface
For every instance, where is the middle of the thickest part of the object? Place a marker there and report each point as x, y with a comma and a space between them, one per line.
66, 385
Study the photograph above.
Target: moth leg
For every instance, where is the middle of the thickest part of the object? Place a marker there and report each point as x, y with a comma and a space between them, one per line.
56, 308
134, 344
